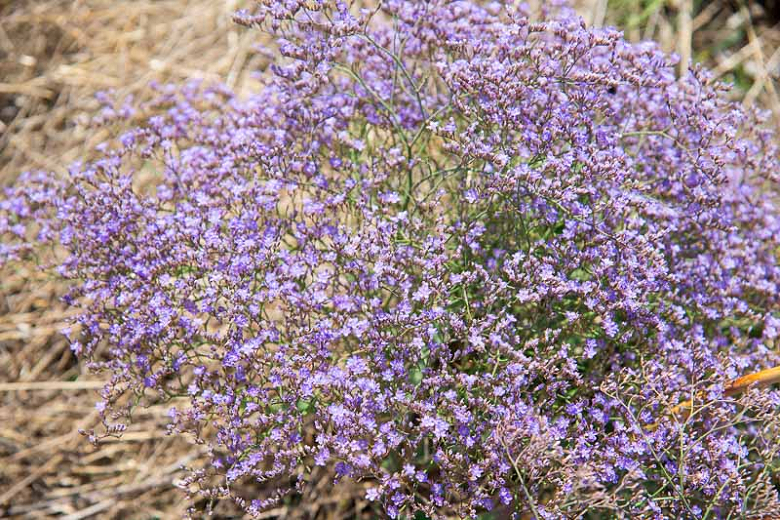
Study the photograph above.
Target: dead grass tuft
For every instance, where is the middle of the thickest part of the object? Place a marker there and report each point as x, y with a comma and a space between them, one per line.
54, 56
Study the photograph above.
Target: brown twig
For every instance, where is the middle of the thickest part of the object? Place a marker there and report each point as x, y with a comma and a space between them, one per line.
685, 35
759, 379
51, 385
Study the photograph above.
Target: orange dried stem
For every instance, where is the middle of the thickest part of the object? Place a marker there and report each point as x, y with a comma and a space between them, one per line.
759, 379
762, 378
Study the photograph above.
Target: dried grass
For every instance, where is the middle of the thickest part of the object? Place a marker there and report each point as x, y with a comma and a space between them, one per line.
54, 56
738, 39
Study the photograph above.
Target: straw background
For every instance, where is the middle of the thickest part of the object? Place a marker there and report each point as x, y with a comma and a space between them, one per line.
54, 56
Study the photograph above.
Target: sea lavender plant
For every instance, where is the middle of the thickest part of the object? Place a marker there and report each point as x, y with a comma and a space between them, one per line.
471, 257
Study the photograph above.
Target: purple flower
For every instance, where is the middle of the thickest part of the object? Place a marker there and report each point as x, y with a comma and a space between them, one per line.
481, 265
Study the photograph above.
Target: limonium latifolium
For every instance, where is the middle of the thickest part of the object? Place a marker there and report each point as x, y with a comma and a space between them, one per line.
464, 255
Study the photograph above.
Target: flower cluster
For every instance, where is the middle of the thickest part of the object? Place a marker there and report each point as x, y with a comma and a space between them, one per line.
469, 256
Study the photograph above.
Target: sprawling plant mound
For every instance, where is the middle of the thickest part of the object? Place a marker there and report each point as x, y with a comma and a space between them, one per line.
470, 259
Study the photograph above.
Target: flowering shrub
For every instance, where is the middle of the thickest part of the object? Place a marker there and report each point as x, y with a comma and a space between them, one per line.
468, 258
